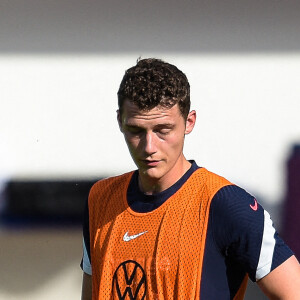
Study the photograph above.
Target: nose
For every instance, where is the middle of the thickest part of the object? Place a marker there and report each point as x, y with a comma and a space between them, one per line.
149, 143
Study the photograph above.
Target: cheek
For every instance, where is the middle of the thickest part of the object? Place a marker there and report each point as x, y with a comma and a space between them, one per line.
173, 143
132, 143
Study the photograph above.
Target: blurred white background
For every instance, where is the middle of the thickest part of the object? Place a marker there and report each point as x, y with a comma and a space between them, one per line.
59, 115
61, 65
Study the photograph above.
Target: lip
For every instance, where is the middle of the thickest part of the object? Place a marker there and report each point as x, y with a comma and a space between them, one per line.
150, 163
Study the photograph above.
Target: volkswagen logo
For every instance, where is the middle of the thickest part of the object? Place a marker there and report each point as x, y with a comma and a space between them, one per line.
129, 281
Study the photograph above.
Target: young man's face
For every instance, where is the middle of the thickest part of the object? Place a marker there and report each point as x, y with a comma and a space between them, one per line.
155, 139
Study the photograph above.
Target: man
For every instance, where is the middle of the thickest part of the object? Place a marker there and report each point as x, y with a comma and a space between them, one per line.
170, 229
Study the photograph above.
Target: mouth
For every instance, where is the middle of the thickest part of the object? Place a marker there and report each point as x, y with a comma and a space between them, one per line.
150, 163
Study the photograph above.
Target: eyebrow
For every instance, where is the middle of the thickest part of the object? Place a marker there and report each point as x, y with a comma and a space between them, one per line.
131, 125
158, 126
164, 125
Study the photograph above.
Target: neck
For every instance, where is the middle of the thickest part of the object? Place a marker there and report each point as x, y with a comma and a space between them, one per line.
151, 186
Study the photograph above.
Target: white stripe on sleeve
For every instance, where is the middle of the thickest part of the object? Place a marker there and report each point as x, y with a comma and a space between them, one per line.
267, 248
86, 264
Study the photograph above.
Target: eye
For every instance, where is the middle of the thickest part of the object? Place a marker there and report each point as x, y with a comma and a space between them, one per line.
163, 131
134, 130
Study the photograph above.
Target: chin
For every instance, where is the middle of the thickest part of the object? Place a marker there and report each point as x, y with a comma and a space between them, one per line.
152, 173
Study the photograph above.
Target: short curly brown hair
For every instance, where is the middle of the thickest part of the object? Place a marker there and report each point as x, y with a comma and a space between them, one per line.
153, 82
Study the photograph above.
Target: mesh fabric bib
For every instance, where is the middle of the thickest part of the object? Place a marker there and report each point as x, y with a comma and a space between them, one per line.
155, 255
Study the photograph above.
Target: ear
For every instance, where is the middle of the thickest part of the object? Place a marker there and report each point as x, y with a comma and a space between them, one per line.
119, 119
190, 121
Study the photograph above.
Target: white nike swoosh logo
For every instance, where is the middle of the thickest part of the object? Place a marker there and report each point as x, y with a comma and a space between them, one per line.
127, 238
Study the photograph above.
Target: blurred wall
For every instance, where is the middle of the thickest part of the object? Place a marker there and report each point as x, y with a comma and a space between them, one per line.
62, 61
106, 27
59, 115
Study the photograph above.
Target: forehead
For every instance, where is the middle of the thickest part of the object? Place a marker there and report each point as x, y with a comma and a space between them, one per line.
131, 113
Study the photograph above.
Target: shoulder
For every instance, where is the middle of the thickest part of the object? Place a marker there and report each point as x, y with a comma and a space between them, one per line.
211, 181
110, 183
243, 230
228, 200
237, 212
234, 200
